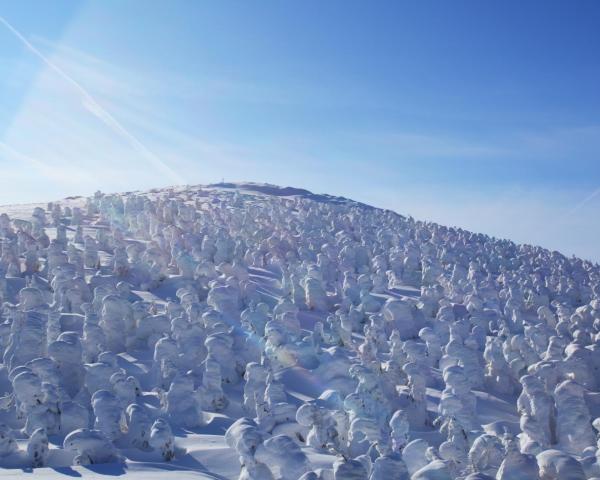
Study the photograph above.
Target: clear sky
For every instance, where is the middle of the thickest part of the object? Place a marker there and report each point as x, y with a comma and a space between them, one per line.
484, 115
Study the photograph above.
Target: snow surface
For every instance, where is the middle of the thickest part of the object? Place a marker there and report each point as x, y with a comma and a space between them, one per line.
253, 331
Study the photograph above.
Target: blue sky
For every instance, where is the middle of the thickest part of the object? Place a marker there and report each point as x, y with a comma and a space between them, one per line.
484, 115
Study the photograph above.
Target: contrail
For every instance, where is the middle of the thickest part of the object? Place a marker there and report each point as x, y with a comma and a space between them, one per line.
97, 110
586, 200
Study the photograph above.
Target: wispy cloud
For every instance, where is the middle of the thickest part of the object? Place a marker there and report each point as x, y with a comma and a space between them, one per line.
429, 145
51, 133
68, 151
96, 109
542, 144
71, 175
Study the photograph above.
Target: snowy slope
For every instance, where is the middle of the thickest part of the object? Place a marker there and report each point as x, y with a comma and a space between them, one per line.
339, 331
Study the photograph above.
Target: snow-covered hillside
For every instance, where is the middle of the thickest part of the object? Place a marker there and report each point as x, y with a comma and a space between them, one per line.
257, 332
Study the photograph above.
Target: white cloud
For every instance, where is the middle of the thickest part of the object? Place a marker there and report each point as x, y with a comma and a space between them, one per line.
69, 146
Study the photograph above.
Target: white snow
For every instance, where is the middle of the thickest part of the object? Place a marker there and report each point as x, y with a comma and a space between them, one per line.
252, 331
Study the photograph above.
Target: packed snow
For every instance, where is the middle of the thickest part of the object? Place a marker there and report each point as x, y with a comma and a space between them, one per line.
252, 332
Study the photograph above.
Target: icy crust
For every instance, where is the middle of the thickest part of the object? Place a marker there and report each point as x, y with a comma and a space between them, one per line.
257, 332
